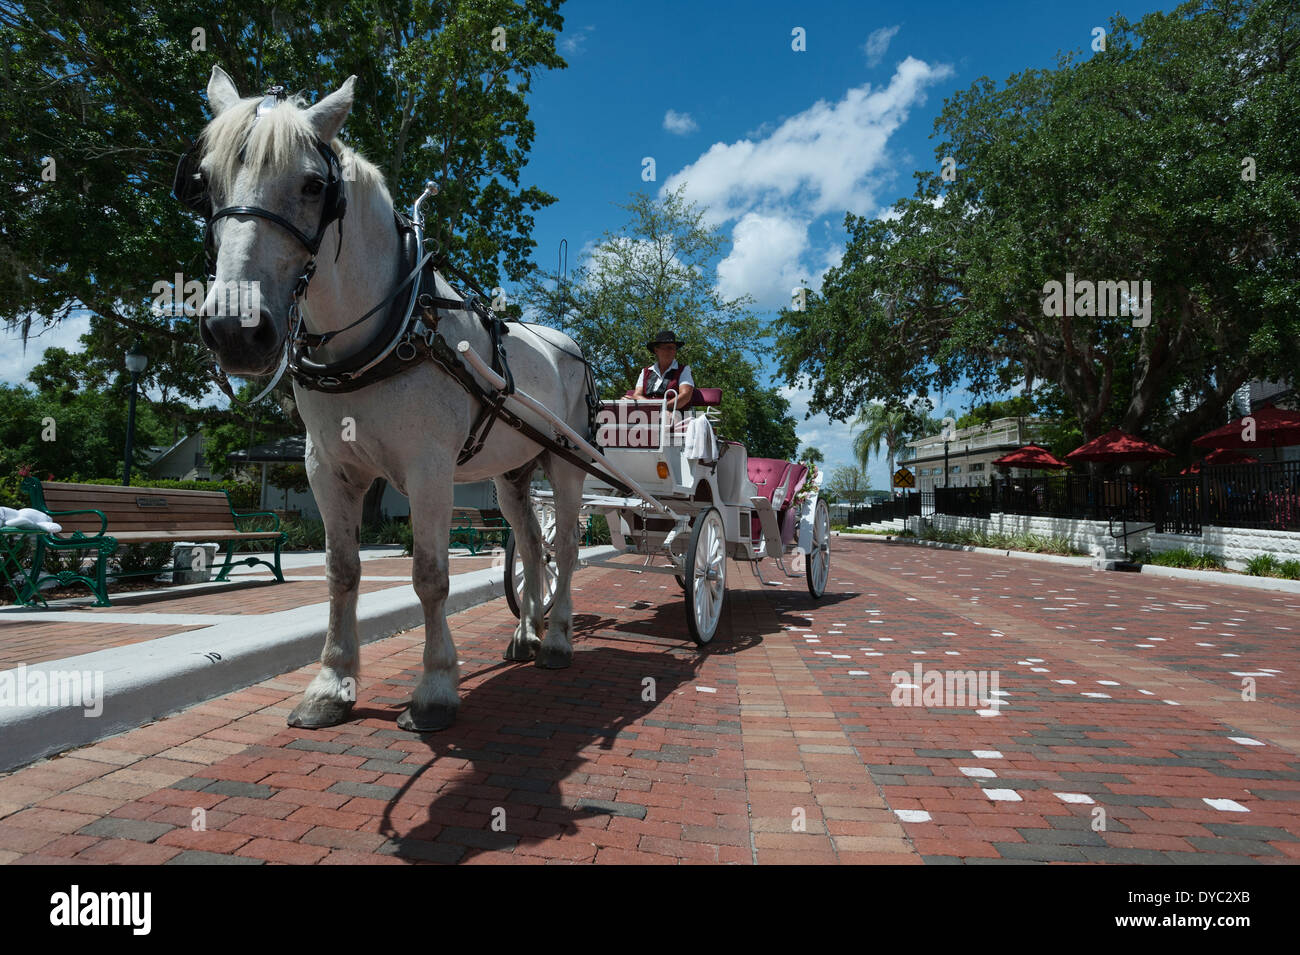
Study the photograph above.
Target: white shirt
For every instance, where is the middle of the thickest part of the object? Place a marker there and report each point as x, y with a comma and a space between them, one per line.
654, 379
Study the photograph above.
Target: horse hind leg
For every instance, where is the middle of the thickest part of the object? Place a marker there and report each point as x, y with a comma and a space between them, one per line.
516, 506
556, 651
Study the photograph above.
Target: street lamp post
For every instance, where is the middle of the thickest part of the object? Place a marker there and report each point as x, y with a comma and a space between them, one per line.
136, 362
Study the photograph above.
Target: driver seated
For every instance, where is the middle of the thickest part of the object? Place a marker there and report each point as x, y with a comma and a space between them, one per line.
665, 373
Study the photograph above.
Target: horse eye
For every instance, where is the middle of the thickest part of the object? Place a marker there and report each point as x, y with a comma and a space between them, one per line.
313, 187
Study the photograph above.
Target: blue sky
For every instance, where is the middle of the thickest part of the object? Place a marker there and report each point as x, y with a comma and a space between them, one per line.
778, 144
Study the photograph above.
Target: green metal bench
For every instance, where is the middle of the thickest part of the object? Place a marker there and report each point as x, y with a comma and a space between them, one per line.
104, 517
470, 528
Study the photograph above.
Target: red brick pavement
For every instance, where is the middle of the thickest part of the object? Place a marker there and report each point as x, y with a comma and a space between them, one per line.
779, 743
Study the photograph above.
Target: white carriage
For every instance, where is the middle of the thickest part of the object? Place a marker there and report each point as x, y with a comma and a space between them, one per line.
685, 501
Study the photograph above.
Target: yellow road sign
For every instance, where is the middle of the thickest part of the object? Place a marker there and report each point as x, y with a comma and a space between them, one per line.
903, 478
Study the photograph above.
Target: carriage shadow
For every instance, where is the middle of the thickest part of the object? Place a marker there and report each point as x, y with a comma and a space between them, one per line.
573, 730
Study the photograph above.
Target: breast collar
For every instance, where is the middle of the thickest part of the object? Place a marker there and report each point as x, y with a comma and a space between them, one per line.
409, 334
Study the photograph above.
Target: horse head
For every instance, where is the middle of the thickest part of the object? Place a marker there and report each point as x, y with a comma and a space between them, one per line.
268, 177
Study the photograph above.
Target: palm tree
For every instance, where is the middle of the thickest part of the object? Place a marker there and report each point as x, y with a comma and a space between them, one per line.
880, 425
813, 455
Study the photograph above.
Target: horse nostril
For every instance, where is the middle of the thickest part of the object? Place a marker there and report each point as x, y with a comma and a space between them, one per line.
264, 331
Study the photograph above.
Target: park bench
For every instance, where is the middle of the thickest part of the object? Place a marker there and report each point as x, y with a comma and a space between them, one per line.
470, 528
104, 517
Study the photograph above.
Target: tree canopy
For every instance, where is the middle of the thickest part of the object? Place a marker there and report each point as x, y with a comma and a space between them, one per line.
1167, 157
100, 100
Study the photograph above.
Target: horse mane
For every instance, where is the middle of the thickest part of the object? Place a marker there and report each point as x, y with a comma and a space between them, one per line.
274, 146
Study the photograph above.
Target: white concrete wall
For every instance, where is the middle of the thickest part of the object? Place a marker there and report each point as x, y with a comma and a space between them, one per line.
1083, 535
1235, 545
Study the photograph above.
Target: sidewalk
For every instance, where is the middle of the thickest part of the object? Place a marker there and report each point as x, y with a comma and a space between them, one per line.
156, 652
1118, 732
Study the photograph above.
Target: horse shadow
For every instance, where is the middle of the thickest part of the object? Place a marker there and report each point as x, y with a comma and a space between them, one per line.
526, 740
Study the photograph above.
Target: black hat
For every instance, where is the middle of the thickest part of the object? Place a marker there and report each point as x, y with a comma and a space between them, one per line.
665, 337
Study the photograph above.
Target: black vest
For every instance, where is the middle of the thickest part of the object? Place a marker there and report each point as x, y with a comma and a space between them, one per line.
669, 381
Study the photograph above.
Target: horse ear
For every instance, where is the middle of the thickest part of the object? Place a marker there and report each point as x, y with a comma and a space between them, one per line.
221, 91
327, 116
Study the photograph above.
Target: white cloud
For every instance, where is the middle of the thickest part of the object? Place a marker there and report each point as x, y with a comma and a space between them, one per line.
877, 44
826, 159
679, 124
16, 362
572, 44
764, 258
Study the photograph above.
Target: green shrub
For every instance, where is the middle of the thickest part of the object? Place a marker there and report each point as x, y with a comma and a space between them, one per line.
1290, 569
303, 533
1182, 557
134, 558
1263, 565
599, 530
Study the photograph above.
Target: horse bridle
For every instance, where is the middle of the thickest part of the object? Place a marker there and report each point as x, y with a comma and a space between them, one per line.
191, 190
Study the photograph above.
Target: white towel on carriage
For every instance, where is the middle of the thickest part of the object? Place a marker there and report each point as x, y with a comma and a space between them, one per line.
700, 442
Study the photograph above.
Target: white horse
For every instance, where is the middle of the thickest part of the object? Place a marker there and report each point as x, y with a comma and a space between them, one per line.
408, 428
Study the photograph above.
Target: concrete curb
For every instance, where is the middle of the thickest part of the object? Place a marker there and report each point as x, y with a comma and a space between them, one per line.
1218, 577
146, 681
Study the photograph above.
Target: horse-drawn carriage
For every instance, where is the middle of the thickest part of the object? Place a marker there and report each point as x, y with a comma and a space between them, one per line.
428, 387
697, 501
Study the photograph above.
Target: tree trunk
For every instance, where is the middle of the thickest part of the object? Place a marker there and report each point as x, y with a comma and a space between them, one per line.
371, 511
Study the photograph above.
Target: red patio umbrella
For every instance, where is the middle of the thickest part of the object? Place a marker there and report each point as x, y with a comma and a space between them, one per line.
1030, 456
1274, 428
1117, 445
1220, 456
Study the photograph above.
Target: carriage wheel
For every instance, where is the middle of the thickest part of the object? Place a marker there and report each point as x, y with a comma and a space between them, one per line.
706, 576
817, 564
515, 565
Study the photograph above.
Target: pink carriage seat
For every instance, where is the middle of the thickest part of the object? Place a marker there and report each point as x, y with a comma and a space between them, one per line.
768, 474
789, 516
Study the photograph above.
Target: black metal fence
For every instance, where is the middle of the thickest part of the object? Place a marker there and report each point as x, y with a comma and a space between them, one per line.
1234, 495
900, 508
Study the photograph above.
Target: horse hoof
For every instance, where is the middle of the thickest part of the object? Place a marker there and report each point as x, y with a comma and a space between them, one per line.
551, 658
429, 720
520, 652
318, 714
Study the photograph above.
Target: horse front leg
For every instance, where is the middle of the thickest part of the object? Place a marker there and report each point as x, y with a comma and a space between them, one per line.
329, 698
435, 700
